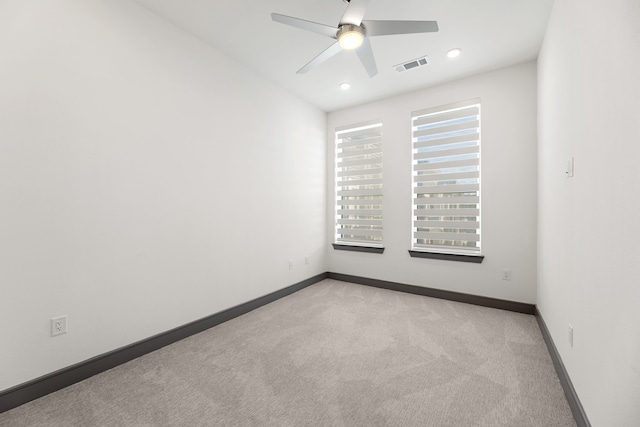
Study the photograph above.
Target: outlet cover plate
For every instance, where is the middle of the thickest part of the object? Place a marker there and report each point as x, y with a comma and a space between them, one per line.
570, 336
58, 326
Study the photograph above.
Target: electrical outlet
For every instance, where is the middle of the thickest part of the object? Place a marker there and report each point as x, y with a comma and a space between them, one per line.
570, 335
506, 274
58, 325
290, 264
306, 259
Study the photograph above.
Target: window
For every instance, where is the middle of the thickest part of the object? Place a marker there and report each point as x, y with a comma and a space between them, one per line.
359, 187
446, 182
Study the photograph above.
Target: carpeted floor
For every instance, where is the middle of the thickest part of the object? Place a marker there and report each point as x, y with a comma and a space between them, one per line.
333, 354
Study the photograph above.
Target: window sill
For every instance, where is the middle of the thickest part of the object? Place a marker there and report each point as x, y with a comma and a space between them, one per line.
447, 257
353, 248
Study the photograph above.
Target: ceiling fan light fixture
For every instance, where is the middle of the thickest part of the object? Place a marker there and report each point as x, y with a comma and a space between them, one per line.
350, 36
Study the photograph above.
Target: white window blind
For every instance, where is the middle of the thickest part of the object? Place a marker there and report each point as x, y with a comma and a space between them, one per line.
446, 178
359, 185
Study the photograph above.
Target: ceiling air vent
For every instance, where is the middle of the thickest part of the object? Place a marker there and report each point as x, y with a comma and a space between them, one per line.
414, 63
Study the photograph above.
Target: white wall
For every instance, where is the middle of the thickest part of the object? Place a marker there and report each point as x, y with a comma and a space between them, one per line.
589, 94
508, 188
145, 181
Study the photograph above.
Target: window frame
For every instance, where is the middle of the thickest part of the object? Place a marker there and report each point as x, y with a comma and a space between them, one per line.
457, 120
368, 190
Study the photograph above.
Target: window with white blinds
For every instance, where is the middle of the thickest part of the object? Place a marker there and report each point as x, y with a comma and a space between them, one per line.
446, 179
359, 185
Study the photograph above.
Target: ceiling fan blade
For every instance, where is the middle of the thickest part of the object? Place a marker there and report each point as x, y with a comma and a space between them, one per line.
314, 27
355, 12
387, 28
365, 53
326, 54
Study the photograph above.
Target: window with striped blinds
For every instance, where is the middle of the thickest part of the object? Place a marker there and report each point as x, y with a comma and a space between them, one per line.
359, 185
446, 179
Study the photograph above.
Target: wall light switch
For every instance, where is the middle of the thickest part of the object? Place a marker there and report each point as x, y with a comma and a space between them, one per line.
569, 169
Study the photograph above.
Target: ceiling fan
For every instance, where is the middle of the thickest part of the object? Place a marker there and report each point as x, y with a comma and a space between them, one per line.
352, 33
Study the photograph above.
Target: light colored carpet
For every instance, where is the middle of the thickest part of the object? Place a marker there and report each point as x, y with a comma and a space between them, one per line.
333, 354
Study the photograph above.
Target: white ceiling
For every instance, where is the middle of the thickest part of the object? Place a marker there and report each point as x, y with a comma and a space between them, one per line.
491, 33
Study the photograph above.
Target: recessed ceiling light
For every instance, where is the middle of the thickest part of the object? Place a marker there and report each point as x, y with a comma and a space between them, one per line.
454, 52
345, 86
